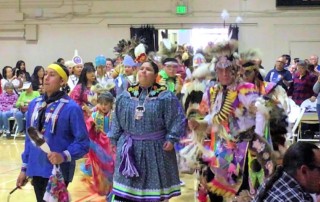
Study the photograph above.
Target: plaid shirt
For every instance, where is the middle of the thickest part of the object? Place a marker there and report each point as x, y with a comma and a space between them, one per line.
286, 188
301, 88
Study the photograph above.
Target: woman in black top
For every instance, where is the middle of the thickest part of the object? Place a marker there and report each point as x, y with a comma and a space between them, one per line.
37, 79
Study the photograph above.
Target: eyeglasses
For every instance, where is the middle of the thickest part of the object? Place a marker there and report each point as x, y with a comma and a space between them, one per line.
280, 61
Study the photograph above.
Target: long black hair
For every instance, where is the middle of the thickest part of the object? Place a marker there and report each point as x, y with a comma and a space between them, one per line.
18, 65
298, 154
35, 77
18, 71
36, 70
87, 67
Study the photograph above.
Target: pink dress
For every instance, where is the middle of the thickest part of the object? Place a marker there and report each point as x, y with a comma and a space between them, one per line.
81, 100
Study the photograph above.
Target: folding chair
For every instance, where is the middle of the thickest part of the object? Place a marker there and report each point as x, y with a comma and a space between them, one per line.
14, 125
305, 117
296, 125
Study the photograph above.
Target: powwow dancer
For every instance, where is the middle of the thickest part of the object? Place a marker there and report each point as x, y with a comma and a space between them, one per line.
231, 119
148, 120
99, 166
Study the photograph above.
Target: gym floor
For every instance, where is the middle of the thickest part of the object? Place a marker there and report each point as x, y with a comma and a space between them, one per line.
10, 162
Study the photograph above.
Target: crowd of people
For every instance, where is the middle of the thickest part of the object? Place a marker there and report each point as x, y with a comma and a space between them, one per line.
137, 123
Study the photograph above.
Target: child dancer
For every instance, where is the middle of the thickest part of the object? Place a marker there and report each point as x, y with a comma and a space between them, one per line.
99, 166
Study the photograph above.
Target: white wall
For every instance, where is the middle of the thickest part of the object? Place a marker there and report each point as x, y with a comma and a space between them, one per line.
56, 41
94, 27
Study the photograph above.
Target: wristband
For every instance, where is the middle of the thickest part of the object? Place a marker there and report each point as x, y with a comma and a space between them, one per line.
65, 158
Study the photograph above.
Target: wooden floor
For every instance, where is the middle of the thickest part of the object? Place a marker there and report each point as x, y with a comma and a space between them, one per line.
10, 162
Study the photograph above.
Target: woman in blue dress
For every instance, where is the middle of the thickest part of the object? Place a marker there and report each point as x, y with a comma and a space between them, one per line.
147, 121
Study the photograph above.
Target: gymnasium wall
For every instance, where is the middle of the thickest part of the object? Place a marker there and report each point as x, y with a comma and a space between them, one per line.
40, 31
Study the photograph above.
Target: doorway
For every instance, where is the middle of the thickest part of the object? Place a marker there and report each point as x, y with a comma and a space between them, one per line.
198, 38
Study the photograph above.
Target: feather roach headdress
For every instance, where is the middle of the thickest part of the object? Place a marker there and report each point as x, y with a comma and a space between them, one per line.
127, 47
225, 54
166, 48
248, 60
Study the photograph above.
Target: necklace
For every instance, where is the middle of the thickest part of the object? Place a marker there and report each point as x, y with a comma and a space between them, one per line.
140, 109
225, 104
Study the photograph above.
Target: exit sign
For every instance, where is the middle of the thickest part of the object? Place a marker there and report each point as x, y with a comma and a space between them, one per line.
181, 9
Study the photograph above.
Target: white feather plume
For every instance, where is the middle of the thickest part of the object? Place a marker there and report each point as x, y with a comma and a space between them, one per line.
139, 50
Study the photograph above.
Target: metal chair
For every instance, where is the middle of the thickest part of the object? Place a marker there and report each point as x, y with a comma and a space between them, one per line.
16, 133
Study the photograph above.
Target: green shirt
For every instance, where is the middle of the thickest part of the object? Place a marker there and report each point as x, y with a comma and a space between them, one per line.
170, 82
25, 98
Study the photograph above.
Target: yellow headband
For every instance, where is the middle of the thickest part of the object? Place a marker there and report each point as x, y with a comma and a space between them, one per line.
60, 71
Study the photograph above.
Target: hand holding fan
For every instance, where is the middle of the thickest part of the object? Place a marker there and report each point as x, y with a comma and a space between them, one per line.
56, 190
36, 137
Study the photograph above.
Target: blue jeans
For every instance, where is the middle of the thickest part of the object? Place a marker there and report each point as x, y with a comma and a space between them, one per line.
19, 119
4, 116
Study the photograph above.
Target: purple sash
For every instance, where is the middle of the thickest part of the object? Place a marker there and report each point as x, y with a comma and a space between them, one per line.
127, 165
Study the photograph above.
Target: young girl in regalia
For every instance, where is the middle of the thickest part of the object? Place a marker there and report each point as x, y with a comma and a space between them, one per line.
99, 166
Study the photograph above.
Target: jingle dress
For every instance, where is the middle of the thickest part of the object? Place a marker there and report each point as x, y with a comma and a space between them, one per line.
145, 172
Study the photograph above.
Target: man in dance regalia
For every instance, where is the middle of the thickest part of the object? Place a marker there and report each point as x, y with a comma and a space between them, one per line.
231, 119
